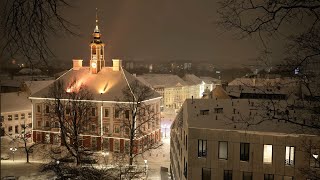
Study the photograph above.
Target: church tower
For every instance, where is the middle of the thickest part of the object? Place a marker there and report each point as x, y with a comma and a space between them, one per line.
97, 61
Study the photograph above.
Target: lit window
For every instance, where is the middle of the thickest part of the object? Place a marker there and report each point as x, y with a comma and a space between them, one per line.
315, 159
206, 174
16, 116
247, 176
22, 115
47, 138
244, 151
202, 148
227, 175
268, 176
287, 178
223, 150
289, 155
9, 117
267, 154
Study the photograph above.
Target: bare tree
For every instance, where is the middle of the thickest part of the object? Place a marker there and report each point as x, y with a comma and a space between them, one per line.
72, 110
272, 19
138, 117
26, 27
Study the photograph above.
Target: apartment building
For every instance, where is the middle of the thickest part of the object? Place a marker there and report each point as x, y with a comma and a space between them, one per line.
209, 141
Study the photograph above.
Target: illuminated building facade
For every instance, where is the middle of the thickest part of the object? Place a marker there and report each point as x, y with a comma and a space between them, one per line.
105, 130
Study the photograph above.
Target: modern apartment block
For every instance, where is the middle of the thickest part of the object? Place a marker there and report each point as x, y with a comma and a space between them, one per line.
212, 139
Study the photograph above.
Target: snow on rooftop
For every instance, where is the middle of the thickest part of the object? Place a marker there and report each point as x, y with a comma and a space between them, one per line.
223, 120
162, 80
106, 85
35, 86
192, 79
16, 101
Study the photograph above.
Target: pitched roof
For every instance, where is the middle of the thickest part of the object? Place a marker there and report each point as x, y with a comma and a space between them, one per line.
106, 85
16, 101
192, 79
35, 86
161, 80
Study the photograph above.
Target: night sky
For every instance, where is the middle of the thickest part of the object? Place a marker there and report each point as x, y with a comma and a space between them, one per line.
155, 31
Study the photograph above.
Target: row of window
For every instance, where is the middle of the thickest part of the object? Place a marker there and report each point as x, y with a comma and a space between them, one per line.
216, 111
16, 128
10, 117
227, 175
267, 153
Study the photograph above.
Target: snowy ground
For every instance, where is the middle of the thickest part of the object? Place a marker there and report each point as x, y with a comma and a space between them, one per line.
19, 168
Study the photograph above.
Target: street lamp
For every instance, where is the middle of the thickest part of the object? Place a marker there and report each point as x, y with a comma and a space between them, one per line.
13, 149
145, 166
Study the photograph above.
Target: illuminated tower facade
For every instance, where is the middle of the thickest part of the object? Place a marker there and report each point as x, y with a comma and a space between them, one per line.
97, 61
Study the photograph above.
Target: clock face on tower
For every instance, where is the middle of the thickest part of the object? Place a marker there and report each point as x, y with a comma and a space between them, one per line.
94, 65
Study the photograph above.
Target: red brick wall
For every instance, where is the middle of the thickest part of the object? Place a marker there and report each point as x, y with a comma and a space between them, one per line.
87, 141
99, 144
121, 145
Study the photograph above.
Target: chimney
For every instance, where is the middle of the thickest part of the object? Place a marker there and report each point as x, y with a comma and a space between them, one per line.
77, 64
116, 64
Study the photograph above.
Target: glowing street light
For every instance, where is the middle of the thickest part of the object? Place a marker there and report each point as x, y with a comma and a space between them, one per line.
145, 166
13, 149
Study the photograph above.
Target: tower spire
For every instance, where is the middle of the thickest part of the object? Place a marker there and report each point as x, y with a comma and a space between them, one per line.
96, 30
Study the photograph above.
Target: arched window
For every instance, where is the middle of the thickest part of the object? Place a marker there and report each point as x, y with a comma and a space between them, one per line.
94, 49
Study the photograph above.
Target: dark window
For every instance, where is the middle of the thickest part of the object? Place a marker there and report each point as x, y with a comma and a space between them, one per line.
117, 113
127, 113
93, 127
38, 108
29, 115
206, 174
247, 176
218, 110
2, 118
10, 128
244, 151
268, 176
227, 175
9, 117
68, 111
287, 178
47, 124
16, 116
93, 111
204, 112
202, 148
16, 129
106, 112
47, 109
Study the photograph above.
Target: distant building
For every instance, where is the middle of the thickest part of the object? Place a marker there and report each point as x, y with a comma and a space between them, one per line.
105, 130
174, 89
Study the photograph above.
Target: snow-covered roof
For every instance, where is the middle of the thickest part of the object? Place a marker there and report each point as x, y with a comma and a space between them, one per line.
263, 82
106, 85
209, 80
35, 86
10, 83
219, 93
232, 115
30, 71
161, 80
16, 101
192, 79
